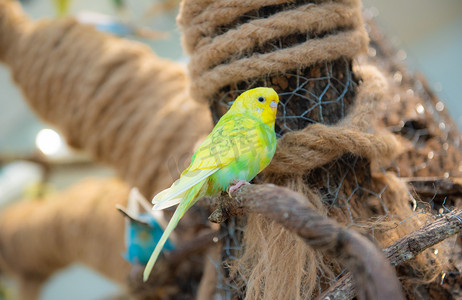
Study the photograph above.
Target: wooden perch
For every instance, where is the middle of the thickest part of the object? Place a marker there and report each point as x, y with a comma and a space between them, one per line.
366, 262
404, 249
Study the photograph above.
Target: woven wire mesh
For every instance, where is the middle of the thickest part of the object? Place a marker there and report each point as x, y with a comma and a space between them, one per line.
310, 99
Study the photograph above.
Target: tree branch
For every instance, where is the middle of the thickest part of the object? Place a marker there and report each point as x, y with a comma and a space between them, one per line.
404, 249
366, 262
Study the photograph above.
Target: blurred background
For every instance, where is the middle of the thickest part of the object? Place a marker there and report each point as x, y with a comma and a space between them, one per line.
429, 33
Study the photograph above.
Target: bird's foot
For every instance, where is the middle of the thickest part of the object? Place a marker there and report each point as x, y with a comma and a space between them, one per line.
236, 184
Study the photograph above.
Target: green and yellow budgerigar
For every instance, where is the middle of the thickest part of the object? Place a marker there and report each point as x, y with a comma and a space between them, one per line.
240, 146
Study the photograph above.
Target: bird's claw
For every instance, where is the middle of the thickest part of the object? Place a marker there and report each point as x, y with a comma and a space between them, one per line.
236, 184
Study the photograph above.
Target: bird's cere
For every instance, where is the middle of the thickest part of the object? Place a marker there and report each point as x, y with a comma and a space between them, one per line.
274, 106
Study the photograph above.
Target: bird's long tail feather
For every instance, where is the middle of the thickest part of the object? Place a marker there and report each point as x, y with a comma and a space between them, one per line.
185, 204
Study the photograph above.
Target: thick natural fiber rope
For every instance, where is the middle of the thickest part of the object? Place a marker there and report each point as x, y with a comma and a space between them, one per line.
318, 145
80, 224
214, 63
330, 48
200, 18
111, 97
306, 18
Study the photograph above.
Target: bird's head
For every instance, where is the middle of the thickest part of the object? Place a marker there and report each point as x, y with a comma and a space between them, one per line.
261, 102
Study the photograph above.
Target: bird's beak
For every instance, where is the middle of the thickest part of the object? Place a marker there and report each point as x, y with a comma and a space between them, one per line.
274, 106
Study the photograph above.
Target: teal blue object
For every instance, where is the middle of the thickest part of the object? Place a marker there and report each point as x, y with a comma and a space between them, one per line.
141, 239
116, 28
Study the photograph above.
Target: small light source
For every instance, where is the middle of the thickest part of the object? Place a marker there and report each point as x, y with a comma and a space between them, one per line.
420, 109
439, 106
48, 141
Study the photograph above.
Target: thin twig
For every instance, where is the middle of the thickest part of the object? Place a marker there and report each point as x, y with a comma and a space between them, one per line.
195, 245
290, 209
404, 249
435, 186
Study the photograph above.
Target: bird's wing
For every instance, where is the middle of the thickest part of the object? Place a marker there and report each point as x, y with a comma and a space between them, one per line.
233, 136
173, 195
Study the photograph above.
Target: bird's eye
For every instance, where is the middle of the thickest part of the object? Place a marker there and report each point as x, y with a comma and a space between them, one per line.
261, 99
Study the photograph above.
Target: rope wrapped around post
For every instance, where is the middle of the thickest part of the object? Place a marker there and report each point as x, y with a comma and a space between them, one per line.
365, 260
